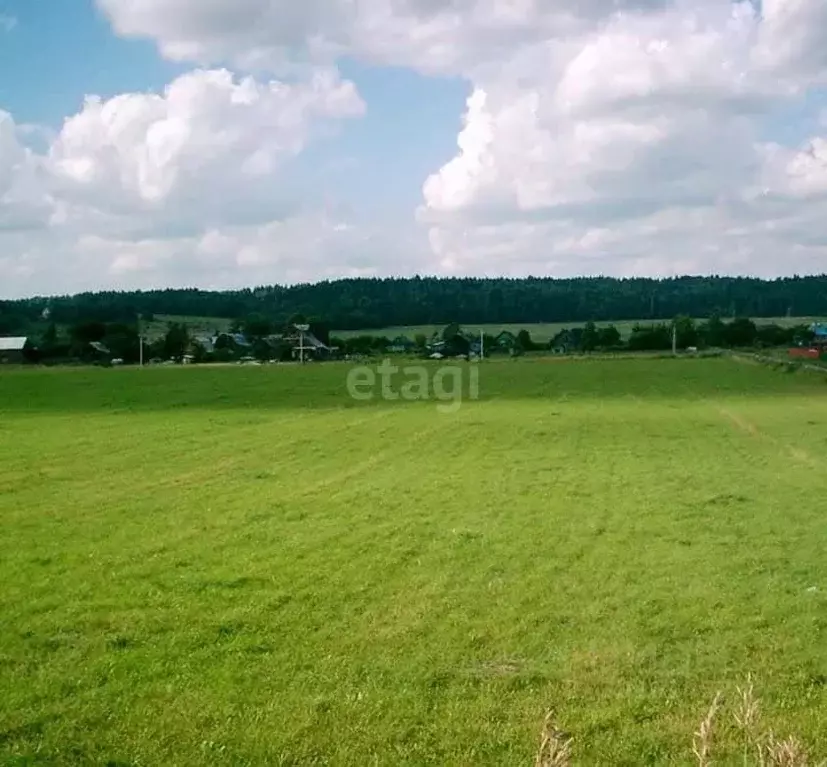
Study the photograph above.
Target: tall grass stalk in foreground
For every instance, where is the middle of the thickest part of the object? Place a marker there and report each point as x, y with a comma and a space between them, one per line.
767, 748
763, 748
555, 745
702, 742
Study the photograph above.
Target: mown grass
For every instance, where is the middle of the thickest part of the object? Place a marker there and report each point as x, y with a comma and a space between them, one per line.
233, 566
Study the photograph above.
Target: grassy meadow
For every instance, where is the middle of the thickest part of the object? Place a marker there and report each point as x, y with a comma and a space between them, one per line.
246, 566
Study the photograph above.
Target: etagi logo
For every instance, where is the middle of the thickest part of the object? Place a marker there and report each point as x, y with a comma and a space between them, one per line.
447, 382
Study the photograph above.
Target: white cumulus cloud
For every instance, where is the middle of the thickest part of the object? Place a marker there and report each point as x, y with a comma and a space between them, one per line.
640, 149
131, 186
600, 136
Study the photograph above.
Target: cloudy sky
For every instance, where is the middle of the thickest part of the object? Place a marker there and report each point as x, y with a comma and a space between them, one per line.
224, 143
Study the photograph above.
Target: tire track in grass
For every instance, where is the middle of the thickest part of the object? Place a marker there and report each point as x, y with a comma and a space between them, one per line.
364, 466
747, 427
233, 462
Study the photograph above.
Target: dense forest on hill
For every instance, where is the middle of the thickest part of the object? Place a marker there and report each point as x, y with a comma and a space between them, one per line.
375, 303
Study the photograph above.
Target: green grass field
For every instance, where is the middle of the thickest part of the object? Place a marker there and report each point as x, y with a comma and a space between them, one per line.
542, 332
245, 566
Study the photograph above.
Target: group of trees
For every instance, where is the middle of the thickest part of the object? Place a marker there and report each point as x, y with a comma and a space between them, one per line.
657, 336
81, 341
120, 339
714, 333
354, 304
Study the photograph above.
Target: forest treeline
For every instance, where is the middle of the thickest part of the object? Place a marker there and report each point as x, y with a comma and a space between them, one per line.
352, 304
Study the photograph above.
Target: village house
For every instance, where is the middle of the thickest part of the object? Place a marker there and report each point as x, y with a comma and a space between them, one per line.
401, 345
505, 342
12, 349
815, 349
304, 345
567, 341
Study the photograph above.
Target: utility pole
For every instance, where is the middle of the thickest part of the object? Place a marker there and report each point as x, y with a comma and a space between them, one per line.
674, 337
482, 344
140, 343
302, 329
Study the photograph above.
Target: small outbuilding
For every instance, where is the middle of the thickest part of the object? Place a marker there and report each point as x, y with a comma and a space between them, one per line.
12, 349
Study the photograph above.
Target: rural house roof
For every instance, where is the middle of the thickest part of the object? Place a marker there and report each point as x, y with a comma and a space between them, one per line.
207, 342
306, 337
505, 338
12, 343
239, 339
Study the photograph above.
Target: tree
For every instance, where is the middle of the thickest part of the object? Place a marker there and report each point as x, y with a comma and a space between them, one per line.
591, 337
52, 348
256, 326
88, 332
774, 335
524, 342
154, 349
740, 332
321, 330
379, 343
686, 334
50, 336
262, 350
451, 332
176, 342
608, 338
713, 332
656, 337
122, 340
296, 319
458, 344
199, 352
82, 335
802, 334
31, 353
223, 354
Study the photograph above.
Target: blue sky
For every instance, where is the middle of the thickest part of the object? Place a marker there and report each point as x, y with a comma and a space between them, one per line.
59, 52
440, 138
410, 125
